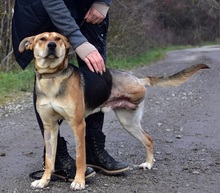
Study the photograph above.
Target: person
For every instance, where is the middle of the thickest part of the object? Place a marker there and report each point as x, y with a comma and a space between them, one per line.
85, 24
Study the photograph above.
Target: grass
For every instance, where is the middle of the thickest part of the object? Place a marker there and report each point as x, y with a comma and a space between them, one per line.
15, 83
143, 59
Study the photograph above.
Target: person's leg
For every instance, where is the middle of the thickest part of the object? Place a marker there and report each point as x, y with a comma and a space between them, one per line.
96, 155
64, 164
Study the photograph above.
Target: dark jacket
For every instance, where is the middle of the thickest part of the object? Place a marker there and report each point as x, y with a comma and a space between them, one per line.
32, 17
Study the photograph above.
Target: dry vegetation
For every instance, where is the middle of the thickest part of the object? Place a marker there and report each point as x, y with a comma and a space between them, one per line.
137, 26
6, 52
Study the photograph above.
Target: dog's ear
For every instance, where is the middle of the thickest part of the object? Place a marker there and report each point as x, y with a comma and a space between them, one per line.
26, 44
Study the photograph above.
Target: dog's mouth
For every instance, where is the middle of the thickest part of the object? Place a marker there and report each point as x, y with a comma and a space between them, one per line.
51, 54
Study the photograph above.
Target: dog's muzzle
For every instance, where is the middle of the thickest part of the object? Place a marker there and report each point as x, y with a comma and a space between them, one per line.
51, 50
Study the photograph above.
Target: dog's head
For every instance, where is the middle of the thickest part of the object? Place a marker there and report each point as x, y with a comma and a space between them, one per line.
50, 51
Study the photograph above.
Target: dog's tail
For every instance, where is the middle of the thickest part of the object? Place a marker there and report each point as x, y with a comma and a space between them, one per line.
175, 79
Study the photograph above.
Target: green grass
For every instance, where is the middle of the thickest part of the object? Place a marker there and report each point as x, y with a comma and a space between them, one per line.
141, 60
16, 82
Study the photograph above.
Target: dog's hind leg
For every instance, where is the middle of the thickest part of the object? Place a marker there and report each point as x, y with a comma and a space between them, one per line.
131, 121
50, 138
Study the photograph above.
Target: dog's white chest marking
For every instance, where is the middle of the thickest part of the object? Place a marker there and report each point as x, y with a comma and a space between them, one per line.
49, 86
59, 111
48, 102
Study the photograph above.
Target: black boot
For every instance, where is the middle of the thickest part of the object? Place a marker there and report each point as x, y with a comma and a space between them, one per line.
65, 167
98, 158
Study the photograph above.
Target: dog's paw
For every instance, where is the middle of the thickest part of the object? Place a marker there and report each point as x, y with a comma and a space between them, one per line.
147, 165
77, 186
38, 184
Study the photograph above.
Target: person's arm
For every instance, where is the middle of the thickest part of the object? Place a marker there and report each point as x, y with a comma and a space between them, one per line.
66, 25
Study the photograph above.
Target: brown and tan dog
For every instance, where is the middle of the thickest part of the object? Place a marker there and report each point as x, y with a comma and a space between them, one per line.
66, 92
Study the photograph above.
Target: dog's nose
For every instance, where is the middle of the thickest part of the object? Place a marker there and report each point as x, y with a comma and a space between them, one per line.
51, 45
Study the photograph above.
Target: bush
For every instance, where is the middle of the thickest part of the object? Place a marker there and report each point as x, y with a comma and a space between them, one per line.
139, 26
189, 21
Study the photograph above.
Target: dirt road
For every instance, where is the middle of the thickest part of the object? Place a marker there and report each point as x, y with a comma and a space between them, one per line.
184, 123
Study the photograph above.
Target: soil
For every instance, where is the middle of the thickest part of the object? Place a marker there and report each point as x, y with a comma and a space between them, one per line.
183, 121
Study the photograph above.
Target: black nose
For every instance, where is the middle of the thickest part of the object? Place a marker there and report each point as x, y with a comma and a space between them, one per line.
51, 45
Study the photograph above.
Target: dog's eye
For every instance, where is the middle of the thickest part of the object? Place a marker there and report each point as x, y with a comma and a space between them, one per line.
43, 39
57, 38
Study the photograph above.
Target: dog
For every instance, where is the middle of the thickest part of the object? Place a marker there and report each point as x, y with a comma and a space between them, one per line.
65, 92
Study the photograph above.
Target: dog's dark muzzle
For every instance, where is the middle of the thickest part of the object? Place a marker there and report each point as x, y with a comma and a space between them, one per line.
51, 51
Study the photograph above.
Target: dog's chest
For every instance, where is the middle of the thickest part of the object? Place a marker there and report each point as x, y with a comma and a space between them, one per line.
49, 89
49, 98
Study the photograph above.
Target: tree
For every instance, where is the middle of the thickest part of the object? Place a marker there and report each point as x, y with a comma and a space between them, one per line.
6, 56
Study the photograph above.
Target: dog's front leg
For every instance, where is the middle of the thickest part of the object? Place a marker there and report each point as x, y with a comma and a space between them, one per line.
50, 138
79, 132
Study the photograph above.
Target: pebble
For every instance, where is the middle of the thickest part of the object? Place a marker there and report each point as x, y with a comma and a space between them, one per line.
159, 124
2, 154
178, 136
195, 172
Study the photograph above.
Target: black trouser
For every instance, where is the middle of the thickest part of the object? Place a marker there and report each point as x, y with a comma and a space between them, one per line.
96, 35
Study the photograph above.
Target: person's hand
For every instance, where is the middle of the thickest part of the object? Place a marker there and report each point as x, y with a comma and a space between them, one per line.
94, 16
95, 62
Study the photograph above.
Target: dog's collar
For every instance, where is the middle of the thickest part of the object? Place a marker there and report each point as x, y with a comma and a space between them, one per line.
47, 75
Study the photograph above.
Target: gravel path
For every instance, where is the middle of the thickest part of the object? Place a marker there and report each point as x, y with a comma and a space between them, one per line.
184, 123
